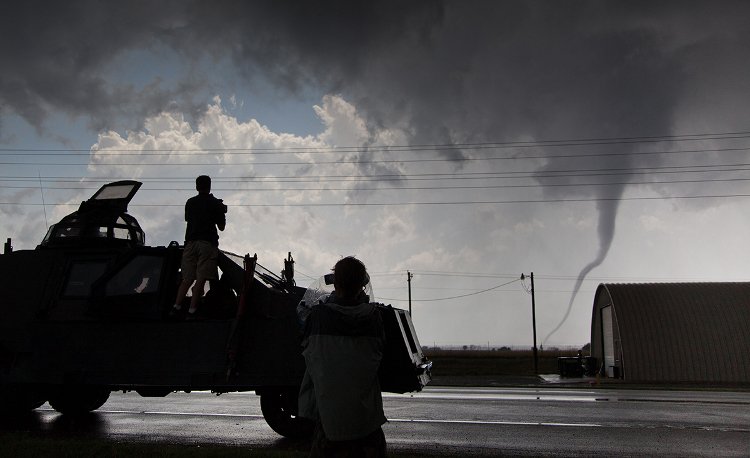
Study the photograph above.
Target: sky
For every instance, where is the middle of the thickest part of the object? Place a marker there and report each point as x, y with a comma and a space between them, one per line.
463, 142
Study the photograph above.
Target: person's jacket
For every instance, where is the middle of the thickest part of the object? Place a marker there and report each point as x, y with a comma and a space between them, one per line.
204, 213
343, 347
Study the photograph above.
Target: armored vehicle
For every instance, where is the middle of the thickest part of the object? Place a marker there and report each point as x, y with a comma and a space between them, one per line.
88, 312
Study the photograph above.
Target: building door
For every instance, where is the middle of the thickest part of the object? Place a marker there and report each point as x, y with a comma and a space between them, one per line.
609, 341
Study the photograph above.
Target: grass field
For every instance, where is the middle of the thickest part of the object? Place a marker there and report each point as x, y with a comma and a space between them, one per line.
456, 363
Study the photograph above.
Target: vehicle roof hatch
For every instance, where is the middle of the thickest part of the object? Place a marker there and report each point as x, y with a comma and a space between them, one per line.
114, 196
100, 220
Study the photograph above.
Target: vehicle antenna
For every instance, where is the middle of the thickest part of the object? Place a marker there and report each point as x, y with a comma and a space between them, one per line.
44, 207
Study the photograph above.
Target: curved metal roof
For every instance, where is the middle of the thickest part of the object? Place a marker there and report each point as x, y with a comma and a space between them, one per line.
695, 332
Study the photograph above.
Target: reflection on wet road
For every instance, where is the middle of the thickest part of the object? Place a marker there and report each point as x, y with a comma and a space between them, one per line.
445, 421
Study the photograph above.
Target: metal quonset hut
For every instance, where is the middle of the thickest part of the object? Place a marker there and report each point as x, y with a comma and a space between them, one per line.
673, 332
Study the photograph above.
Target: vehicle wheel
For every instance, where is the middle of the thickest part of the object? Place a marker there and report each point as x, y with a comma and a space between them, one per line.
280, 411
78, 400
19, 399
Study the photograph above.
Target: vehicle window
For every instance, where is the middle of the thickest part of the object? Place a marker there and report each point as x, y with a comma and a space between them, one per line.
81, 276
141, 275
122, 233
70, 231
114, 192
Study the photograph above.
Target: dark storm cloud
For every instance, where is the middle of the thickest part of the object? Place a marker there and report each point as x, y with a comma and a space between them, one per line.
450, 72
319, 42
53, 56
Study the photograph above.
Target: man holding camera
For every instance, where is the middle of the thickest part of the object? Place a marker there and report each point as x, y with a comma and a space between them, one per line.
204, 213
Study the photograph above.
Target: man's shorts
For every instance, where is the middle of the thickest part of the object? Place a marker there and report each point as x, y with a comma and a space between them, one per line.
199, 261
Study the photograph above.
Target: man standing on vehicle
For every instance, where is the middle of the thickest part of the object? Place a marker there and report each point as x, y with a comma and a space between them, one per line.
203, 213
343, 346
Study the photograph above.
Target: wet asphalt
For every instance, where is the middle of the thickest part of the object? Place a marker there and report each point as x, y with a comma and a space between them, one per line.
544, 419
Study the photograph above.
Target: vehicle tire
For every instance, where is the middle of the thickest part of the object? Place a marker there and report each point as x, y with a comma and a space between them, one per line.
280, 412
78, 400
19, 399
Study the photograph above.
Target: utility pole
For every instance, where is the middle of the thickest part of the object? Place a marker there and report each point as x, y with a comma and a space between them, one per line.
533, 321
409, 276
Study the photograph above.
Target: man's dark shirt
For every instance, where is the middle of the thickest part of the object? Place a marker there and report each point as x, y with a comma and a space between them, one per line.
203, 214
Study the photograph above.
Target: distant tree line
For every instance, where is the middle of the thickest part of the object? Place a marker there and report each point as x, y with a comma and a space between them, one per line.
473, 347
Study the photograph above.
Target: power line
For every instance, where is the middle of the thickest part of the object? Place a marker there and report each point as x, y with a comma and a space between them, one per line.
552, 173
468, 202
462, 274
454, 297
495, 275
561, 173
417, 147
361, 161
152, 153
409, 188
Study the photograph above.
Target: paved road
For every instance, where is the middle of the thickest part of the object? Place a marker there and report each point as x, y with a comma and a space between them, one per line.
452, 421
